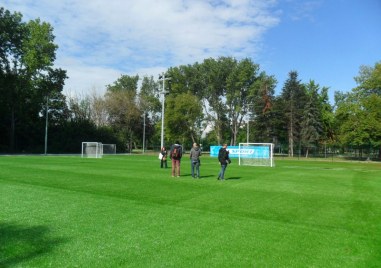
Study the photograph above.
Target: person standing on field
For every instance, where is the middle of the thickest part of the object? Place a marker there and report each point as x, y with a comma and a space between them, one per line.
195, 154
223, 158
163, 160
175, 154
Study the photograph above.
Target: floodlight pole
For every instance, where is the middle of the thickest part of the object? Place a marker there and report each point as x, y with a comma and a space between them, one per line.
46, 125
247, 134
144, 131
163, 77
248, 123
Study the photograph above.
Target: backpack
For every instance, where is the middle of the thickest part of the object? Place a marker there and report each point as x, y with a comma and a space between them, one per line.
176, 153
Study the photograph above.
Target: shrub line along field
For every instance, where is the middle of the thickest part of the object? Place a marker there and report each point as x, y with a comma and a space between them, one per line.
124, 211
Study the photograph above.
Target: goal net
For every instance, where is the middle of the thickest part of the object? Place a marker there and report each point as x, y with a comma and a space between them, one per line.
92, 150
256, 154
109, 148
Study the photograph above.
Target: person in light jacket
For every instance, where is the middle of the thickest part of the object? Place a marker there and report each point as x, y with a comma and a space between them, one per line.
163, 159
194, 156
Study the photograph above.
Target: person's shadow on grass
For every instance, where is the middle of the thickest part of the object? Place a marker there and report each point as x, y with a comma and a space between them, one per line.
209, 176
233, 178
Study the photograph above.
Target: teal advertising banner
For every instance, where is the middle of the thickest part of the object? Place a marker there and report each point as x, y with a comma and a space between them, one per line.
253, 151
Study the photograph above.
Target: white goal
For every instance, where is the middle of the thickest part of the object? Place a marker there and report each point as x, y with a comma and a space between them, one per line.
256, 154
92, 149
109, 148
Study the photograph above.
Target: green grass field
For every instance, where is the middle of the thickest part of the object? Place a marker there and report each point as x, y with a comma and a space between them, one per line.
124, 211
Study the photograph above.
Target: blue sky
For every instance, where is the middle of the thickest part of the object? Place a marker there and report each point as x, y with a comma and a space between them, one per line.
324, 40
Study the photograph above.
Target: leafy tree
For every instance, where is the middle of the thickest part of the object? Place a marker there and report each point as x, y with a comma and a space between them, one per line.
358, 113
187, 80
240, 85
360, 120
124, 113
125, 83
80, 108
369, 80
182, 116
215, 74
149, 105
27, 53
98, 112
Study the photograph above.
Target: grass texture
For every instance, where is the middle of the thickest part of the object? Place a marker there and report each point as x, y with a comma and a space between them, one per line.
124, 211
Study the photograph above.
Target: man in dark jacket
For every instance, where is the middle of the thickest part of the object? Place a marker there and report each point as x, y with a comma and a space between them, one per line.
194, 156
223, 158
175, 154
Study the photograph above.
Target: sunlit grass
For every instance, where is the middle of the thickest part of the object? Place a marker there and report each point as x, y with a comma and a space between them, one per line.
124, 211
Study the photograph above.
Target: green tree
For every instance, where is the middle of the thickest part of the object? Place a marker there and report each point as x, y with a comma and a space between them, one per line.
369, 80
27, 54
187, 80
240, 85
293, 99
183, 112
125, 83
358, 113
150, 106
262, 111
215, 74
123, 109
311, 124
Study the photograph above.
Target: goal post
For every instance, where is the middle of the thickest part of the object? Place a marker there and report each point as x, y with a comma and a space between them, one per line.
92, 149
256, 154
109, 148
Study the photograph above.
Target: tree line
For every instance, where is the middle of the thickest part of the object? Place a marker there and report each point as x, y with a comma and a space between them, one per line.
210, 102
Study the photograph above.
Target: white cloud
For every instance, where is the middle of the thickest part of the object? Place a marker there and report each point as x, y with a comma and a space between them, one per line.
100, 40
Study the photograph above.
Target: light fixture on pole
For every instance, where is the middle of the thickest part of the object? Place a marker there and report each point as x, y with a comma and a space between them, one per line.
163, 92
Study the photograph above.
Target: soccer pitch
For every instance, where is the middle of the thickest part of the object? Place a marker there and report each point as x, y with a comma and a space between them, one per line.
124, 211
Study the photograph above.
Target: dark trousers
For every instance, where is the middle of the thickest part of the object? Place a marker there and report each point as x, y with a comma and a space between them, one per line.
163, 163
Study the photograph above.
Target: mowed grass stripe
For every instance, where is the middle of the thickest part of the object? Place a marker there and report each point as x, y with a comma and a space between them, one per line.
139, 216
143, 231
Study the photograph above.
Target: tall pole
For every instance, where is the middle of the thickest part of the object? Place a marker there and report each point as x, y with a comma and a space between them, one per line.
144, 131
46, 125
247, 134
248, 123
162, 113
162, 76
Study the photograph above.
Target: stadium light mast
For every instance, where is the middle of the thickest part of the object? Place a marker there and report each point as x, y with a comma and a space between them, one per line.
47, 123
163, 92
144, 131
248, 123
